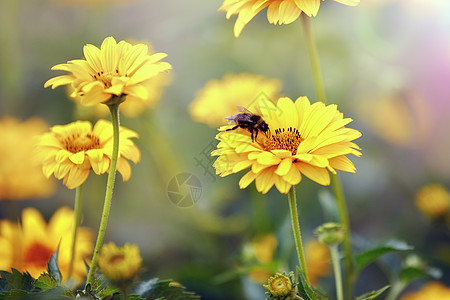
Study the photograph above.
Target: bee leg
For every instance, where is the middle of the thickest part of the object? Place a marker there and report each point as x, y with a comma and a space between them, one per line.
256, 135
232, 128
252, 136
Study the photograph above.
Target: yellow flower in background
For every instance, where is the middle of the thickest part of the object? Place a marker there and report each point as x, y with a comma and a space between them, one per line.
29, 246
278, 11
70, 151
431, 291
120, 265
433, 200
219, 98
116, 69
21, 175
263, 249
303, 138
317, 260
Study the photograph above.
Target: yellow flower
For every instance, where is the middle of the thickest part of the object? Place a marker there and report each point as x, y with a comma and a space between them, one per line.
120, 265
29, 246
116, 69
433, 200
278, 11
303, 138
219, 98
70, 151
431, 291
317, 260
20, 174
264, 248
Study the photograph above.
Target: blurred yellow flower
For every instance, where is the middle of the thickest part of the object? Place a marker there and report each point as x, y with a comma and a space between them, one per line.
278, 11
219, 98
20, 174
120, 265
116, 69
433, 200
70, 151
317, 260
303, 138
29, 246
263, 248
431, 291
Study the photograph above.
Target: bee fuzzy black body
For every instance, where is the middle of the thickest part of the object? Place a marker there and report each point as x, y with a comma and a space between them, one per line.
249, 121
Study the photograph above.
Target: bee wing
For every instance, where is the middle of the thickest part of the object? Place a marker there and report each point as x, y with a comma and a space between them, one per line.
244, 110
232, 119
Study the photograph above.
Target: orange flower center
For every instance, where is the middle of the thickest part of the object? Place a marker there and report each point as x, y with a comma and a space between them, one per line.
284, 139
37, 255
117, 258
77, 142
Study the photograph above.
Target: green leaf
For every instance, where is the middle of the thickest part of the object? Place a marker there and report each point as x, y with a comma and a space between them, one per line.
365, 258
410, 273
16, 280
306, 291
45, 282
53, 268
373, 294
164, 289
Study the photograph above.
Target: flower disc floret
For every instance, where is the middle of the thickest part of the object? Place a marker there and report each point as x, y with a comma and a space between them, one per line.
304, 139
116, 69
70, 151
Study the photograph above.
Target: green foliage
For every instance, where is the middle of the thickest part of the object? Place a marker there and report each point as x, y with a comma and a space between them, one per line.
46, 282
306, 291
53, 268
365, 258
164, 290
16, 281
373, 294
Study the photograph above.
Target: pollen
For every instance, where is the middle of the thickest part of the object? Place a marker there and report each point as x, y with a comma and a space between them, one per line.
284, 139
77, 142
105, 78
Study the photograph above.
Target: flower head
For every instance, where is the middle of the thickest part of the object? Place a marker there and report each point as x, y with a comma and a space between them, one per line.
70, 151
280, 285
433, 200
116, 69
20, 173
330, 233
317, 260
220, 97
120, 264
303, 138
29, 246
278, 11
433, 290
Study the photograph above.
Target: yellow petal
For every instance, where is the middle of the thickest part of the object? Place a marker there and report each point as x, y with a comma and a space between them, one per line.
282, 186
348, 2
267, 158
92, 55
273, 12
319, 175
342, 163
265, 180
124, 168
108, 55
77, 158
309, 7
247, 179
289, 12
284, 167
76, 177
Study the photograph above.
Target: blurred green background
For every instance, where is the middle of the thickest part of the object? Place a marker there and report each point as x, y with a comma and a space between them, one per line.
385, 63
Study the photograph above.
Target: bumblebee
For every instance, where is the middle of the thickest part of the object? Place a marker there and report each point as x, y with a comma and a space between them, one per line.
248, 120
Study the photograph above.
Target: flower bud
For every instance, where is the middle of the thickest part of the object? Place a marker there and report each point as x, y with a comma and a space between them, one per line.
330, 233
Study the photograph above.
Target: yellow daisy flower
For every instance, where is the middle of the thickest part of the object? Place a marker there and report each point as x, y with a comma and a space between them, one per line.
317, 260
278, 11
29, 246
70, 151
303, 138
116, 69
433, 290
433, 200
220, 97
120, 265
20, 173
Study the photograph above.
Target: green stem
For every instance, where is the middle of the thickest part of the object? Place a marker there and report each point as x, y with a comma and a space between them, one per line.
77, 220
314, 58
395, 290
337, 188
337, 271
297, 234
114, 108
347, 242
